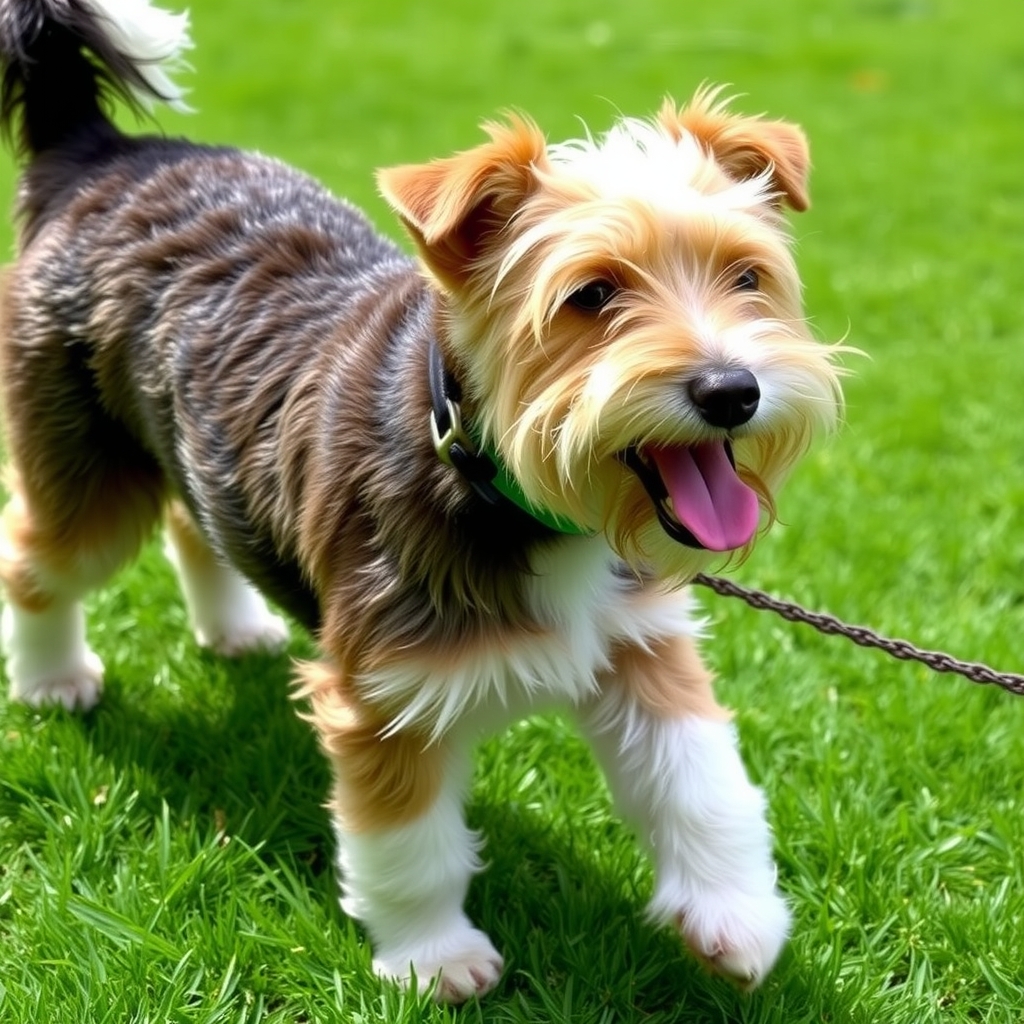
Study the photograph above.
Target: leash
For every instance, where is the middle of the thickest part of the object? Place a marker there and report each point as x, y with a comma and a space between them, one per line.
937, 661
485, 475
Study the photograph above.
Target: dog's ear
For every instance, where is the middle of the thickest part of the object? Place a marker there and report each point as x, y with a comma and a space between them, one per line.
745, 146
453, 207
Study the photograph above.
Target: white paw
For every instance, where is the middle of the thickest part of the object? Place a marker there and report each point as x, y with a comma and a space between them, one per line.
48, 659
463, 962
76, 687
227, 613
735, 934
264, 632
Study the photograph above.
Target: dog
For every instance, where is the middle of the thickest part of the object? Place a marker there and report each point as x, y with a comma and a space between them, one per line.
480, 477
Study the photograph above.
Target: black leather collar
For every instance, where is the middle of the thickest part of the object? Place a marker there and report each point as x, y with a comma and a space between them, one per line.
451, 442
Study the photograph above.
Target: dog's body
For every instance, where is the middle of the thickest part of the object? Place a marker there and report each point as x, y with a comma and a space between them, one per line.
208, 334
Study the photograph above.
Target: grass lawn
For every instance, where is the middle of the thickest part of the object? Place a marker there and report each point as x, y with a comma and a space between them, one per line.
166, 857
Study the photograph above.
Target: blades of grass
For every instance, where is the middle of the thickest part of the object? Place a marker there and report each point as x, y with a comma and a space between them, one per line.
118, 927
1005, 983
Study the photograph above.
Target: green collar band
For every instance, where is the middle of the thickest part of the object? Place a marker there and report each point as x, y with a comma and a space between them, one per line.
506, 484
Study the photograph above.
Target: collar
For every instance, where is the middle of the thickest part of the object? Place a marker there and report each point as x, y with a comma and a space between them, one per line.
481, 468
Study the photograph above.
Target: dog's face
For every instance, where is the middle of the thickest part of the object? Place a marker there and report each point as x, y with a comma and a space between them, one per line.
626, 318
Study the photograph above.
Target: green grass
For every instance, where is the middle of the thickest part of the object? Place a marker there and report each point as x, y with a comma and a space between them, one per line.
166, 857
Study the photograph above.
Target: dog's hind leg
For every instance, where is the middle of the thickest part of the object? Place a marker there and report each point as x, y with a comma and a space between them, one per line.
405, 854
669, 752
84, 492
69, 524
227, 613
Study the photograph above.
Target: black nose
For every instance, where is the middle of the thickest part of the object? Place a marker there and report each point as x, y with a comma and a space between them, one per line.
725, 398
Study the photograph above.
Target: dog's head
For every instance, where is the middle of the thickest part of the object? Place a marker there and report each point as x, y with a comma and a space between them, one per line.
626, 317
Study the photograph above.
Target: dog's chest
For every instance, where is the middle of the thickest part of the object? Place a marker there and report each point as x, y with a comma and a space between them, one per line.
583, 606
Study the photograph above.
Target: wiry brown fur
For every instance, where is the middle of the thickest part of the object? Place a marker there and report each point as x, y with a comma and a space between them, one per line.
213, 325
315, 502
743, 147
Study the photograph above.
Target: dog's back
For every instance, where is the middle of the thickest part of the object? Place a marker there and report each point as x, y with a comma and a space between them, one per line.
162, 284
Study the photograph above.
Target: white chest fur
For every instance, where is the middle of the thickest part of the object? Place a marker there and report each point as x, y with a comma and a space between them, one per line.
583, 606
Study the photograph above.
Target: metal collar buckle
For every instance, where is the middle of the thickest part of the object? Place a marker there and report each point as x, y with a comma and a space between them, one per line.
454, 435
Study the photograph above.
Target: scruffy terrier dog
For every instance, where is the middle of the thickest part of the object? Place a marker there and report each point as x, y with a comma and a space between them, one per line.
480, 479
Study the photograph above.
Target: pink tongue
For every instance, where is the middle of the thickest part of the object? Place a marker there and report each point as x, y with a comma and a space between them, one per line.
707, 496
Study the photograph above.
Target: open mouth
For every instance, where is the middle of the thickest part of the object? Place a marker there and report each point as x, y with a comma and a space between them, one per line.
700, 500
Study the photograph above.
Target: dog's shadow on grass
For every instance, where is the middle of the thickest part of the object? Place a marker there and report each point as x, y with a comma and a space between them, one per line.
564, 906
226, 746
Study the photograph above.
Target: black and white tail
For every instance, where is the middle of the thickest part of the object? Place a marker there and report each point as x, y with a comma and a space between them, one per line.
63, 59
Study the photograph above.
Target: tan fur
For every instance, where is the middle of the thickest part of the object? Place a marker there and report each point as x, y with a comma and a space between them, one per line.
745, 146
46, 550
668, 678
451, 206
190, 544
17, 567
379, 781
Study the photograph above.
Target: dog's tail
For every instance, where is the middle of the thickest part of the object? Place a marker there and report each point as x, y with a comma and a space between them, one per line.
62, 62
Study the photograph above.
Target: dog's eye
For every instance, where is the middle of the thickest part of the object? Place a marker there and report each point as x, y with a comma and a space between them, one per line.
748, 281
593, 296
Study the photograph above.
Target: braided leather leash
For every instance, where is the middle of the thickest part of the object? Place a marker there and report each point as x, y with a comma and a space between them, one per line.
830, 625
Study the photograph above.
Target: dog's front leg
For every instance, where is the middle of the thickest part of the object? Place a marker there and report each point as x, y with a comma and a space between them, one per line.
670, 755
405, 854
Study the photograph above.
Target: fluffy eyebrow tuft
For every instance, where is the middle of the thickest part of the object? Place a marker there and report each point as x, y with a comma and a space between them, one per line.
640, 159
